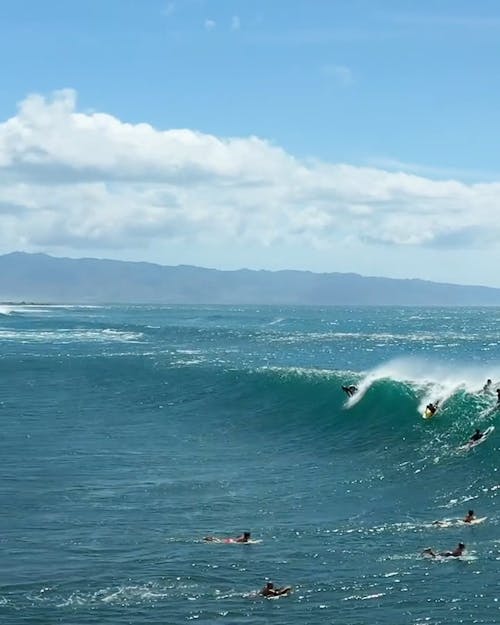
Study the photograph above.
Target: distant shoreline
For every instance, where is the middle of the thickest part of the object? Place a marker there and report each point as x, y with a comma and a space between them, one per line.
25, 303
42, 280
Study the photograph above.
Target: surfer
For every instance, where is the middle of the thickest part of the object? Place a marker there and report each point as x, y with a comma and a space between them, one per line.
270, 591
477, 438
456, 553
469, 518
478, 435
487, 386
350, 390
244, 538
498, 396
432, 407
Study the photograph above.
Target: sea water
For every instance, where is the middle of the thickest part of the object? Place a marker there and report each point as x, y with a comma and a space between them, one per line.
130, 433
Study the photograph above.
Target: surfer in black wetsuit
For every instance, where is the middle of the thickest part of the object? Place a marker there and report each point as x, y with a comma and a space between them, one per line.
498, 396
432, 407
478, 435
350, 390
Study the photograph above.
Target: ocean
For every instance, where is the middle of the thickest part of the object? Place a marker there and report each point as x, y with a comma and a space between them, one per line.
129, 433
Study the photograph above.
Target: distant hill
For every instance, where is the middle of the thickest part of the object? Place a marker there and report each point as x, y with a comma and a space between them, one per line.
39, 277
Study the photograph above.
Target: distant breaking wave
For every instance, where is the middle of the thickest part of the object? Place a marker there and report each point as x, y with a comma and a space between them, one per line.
70, 336
27, 309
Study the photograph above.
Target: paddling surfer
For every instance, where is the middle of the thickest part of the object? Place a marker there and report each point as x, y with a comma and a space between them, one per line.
269, 590
244, 538
469, 517
456, 553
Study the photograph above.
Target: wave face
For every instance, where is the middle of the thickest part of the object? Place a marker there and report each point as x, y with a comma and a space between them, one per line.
129, 433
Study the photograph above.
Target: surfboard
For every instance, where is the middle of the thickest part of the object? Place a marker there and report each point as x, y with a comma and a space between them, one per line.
281, 592
231, 541
474, 521
442, 556
471, 444
428, 414
443, 523
456, 522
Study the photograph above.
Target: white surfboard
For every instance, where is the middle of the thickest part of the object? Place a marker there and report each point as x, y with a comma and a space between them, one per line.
481, 519
456, 522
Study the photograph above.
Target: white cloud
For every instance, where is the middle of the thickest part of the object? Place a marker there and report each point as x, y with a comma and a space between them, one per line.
235, 23
82, 180
341, 73
392, 164
209, 24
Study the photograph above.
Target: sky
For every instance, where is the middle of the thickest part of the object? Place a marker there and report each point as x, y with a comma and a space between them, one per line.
323, 135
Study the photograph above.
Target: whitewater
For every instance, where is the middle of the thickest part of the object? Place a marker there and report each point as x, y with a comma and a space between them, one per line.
131, 432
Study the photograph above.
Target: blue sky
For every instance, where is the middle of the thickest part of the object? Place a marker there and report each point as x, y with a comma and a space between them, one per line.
377, 127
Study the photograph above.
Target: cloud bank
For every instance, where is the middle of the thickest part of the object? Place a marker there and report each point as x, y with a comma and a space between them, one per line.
90, 180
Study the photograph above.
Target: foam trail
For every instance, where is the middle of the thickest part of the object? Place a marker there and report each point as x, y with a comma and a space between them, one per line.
363, 387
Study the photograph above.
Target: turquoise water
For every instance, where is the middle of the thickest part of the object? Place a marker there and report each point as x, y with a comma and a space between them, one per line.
130, 433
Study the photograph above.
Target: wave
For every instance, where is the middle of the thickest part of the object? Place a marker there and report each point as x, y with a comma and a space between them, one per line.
70, 336
17, 309
430, 380
383, 338
24, 309
386, 412
408, 381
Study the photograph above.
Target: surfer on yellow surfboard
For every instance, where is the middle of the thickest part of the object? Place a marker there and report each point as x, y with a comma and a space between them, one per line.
430, 409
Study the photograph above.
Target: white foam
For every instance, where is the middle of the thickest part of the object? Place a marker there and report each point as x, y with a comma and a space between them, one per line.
300, 372
65, 335
275, 321
8, 309
376, 595
122, 595
437, 380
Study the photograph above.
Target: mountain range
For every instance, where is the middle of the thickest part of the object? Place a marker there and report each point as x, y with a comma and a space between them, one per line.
44, 278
